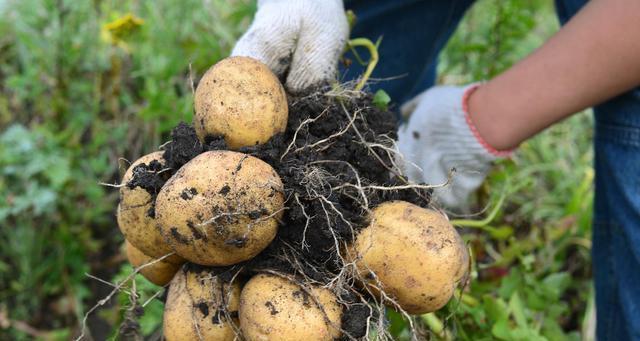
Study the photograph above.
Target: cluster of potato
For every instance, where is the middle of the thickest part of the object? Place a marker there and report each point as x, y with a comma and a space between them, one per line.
224, 207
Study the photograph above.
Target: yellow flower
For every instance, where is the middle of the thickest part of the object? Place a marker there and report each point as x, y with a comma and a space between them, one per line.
119, 30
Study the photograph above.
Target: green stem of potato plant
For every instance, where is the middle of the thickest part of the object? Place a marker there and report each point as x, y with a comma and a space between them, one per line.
434, 323
373, 59
436, 326
484, 222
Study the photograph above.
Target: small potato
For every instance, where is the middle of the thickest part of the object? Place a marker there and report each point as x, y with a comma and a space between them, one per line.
134, 220
221, 208
240, 99
274, 308
200, 307
415, 254
158, 273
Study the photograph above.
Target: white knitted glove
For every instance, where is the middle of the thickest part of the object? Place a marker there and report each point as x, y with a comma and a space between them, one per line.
303, 37
439, 137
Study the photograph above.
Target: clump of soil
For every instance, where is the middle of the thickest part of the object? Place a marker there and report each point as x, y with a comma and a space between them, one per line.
336, 161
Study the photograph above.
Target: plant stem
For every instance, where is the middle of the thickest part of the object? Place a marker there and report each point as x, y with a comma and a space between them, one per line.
484, 222
373, 59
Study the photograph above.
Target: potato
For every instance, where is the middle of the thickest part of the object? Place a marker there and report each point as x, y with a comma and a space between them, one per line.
138, 227
274, 308
240, 99
221, 208
158, 273
415, 253
199, 307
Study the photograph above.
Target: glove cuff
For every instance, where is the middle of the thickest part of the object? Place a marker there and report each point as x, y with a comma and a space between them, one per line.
465, 108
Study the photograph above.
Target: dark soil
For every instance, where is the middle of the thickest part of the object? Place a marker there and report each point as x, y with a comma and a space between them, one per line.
332, 211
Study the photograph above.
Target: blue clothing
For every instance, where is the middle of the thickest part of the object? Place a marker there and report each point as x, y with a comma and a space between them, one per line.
415, 31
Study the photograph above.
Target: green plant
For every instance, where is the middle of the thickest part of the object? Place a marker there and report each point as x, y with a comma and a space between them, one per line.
86, 89
42, 261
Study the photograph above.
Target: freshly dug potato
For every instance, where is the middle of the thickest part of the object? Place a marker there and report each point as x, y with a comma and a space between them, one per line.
220, 208
274, 308
134, 220
240, 99
158, 273
200, 307
415, 254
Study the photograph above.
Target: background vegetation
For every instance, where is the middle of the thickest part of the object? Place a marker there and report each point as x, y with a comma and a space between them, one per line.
85, 86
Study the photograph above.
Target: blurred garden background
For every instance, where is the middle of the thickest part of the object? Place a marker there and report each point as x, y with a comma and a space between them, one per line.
87, 84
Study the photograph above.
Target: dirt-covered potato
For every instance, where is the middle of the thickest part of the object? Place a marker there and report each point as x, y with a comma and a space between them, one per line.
220, 208
274, 308
135, 217
200, 306
158, 273
240, 99
414, 253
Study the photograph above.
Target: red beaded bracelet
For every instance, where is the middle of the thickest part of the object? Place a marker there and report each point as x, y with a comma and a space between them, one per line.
474, 130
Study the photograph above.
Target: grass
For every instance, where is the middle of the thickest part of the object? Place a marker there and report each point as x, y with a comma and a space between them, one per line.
85, 84
80, 90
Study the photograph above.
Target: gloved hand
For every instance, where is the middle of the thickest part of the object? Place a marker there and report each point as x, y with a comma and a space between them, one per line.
303, 37
440, 136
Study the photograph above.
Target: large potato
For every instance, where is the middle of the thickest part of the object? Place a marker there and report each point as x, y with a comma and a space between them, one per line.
158, 273
274, 308
221, 208
200, 307
415, 254
240, 99
134, 218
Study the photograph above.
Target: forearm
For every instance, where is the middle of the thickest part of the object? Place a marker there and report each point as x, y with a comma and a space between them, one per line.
596, 56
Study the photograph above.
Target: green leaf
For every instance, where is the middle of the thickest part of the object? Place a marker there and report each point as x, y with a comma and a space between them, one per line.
510, 283
557, 283
502, 330
495, 308
552, 330
397, 324
381, 100
518, 310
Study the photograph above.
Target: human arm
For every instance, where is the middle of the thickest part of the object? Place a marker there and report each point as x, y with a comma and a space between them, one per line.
594, 57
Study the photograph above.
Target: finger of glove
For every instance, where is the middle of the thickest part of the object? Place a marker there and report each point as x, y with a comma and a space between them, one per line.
271, 38
321, 41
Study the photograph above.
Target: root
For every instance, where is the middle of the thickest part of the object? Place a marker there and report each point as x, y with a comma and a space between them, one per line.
295, 135
306, 224
325, 183
330, 137
394, 188
364, 141
116, 288
111, 185
161, 147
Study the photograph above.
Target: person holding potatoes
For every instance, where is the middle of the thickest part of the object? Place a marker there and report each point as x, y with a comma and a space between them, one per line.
594, 60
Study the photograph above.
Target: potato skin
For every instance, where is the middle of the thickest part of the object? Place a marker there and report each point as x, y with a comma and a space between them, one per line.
159, 273
221, 208
274, 308
415, 253
240, 99
134, 222
200, 299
